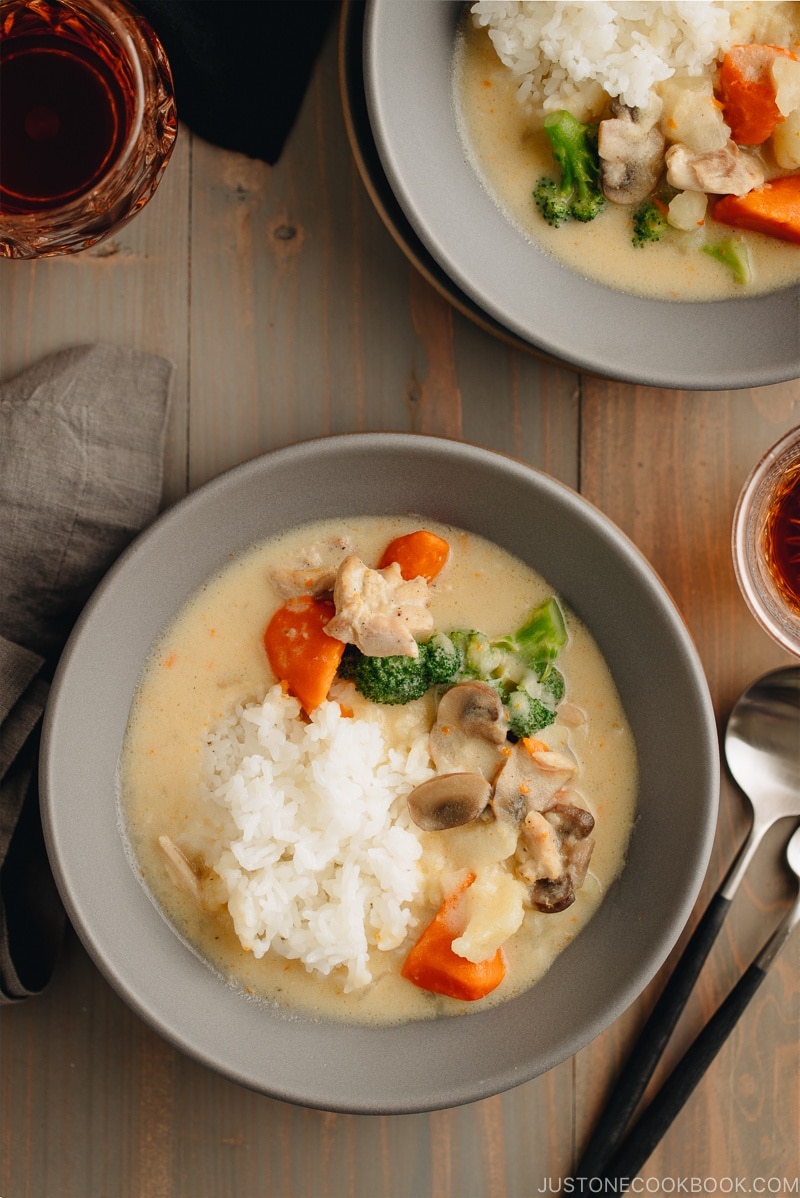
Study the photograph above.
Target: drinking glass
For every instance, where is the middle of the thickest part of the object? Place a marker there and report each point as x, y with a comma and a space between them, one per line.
766, 541
87, 122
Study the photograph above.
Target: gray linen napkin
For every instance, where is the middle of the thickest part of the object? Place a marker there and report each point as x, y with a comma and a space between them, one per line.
81, 460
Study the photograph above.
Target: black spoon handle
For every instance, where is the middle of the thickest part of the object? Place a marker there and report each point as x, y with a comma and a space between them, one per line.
647, 1051
655, 1121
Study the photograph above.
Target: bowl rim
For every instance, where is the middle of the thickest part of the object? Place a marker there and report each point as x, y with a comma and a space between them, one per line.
725, 345
125, 962
365, 156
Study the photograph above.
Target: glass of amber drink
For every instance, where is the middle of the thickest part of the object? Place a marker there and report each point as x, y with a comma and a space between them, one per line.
87, 122
766, 542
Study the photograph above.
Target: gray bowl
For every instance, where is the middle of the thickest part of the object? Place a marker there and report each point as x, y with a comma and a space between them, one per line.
747, 342
437, 1063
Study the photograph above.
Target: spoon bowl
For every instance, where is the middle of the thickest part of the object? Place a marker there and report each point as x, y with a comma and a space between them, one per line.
793, 854
762, 749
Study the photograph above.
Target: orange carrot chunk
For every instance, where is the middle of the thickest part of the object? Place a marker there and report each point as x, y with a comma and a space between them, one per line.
300, 652
417, 554
747, 92
432, 964
773, 209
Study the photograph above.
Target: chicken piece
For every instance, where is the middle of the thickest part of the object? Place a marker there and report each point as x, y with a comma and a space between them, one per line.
378, 610
314, 571
556, 863
541, 847
729, 171
631, 149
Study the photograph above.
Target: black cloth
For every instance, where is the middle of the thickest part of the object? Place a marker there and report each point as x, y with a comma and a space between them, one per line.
240, 67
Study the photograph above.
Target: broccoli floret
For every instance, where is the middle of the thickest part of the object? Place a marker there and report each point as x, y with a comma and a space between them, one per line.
578, 196
479, 657
506, 660
552, 680
649, 223
733, 254
348, 663
399, 679
527, 715
542, 635
391, 680
531, 705
443, 659
554, 207
460, 639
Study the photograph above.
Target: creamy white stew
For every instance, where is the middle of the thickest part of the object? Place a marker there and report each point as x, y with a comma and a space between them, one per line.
213, 658
505, 141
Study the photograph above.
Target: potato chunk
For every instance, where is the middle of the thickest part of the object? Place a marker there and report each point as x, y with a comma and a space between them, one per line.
692, 116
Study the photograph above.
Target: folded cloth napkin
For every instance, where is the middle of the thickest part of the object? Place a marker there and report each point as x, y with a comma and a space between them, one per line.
240, 67
81, 460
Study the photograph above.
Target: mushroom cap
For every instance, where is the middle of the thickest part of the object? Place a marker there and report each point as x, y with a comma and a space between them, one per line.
475, 707
448, 801
470, 731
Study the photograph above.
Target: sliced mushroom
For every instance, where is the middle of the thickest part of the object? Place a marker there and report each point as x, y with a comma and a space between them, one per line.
729, 171
378, 610
470, 731
572, 826
449, 801
477, 708
529, 781
571, 820
631, 149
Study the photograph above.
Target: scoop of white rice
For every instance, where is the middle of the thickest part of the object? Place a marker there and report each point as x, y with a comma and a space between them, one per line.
564, 52
322, 860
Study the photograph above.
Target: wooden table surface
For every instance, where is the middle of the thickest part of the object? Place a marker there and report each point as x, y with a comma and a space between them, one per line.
290, 312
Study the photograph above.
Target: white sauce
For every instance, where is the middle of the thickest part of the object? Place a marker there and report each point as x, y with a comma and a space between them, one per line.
212, 657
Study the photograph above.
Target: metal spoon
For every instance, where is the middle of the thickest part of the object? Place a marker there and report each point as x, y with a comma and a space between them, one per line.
673, 1095
762, 748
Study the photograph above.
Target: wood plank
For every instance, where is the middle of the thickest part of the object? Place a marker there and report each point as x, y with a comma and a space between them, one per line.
686, 455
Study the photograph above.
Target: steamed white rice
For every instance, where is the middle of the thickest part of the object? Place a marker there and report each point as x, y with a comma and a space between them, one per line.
321, 860
561, 51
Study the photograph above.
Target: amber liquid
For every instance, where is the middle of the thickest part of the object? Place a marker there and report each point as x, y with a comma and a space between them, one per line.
782, 537
64, 115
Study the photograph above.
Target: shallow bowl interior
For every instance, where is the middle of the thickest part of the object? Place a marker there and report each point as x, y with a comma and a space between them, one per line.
430, 1064
734, 343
